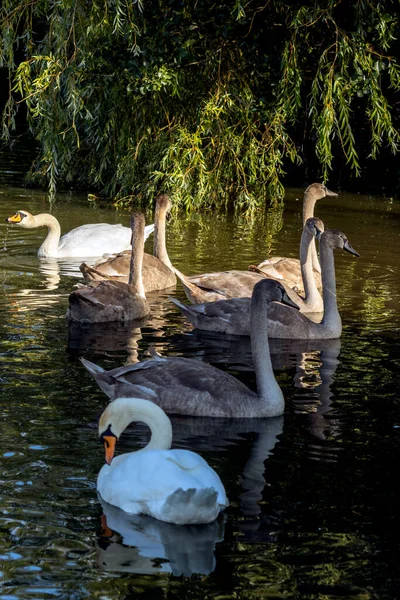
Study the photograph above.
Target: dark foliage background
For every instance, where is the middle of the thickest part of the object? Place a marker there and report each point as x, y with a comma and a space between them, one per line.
216, 103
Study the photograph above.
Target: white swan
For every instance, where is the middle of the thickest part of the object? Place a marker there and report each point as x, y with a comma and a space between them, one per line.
157, 270
191, 387
176, 486
233, 316
90, 240
111, 300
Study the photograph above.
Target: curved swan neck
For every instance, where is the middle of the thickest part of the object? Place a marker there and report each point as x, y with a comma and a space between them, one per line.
308, 205
311, 292
268, 389
127, 410
135, 268
308, 211
49, 246
331, 312
159, 238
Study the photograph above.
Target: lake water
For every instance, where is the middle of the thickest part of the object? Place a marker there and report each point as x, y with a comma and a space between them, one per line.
314, 501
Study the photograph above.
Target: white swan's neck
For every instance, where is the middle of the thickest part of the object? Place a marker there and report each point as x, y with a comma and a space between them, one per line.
331, 317
308, 212
135, 268
268, 390
159, 239
311, 293
49, 247
128, 410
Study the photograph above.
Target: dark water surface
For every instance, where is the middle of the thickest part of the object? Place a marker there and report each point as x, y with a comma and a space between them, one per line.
314, 510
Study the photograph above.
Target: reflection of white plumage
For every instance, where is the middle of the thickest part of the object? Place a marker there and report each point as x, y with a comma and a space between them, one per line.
152, 546
94, 239
176, 486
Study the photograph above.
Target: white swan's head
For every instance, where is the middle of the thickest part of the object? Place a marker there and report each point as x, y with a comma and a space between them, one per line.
333, 238
22, 218
123, 411
315, 227
318, 190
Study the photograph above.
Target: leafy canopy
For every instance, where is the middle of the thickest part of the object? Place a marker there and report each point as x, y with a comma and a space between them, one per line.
204, 100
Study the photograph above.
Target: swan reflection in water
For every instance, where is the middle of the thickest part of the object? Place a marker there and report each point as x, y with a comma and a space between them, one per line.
152, 546
105, 337
314, 361
45, 275
315, 373
121, 336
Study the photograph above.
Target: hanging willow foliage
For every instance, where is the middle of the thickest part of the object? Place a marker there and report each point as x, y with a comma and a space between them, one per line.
203, 100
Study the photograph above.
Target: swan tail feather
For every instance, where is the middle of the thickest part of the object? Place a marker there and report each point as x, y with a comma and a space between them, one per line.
92, 274
100, 375
191, 506
184, 308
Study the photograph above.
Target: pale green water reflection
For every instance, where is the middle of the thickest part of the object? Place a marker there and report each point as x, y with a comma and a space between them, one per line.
314, 501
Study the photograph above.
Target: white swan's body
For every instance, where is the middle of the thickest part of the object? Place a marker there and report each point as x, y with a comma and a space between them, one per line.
190, 387
176, 486
110, 300
157, 270
90, 240
233, 316
288, 270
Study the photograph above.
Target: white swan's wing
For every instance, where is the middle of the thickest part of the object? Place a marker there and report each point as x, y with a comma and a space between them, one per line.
171, 485
96, 239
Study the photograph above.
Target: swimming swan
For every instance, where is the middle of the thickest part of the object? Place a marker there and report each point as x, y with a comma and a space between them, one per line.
239, 284
190, 387
288, 270
312, 194
176, 486
219, 285
114, 300
233, 316
223, 285
94, 239
157, 270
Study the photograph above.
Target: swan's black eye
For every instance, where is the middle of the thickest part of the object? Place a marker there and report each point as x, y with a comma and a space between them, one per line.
107, 433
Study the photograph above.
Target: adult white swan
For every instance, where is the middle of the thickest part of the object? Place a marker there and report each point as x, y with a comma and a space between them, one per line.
176, 486
94, 239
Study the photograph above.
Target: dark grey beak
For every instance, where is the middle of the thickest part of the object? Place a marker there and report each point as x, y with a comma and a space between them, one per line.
347, 246
329, 193
286, 300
